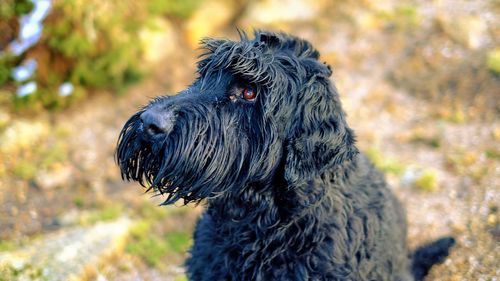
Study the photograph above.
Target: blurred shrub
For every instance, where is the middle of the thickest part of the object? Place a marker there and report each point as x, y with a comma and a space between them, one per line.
177, 9
10, 10
90, 44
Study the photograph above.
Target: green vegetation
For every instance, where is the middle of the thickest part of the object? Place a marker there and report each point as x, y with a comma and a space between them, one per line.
493, 154
91, 46
107, 213
422, 136
6, 64
152, 247
177, 9
24, 169
12, 8
427, 181
148, 246
10, 11
178, 241
457, 116
403, 17
9, 273
152, 212
384, 163
6, 245
95, 46
79, 202
493, 61
181, 278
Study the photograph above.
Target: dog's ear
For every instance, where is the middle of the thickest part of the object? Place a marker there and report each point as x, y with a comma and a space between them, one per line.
319, 138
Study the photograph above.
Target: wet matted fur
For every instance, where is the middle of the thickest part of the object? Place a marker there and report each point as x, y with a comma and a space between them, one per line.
261, 137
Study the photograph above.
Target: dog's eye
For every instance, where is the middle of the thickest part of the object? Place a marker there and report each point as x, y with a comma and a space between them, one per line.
249, 94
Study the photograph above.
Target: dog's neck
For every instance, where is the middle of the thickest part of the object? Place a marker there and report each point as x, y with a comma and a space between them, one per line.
278, 204
262, 215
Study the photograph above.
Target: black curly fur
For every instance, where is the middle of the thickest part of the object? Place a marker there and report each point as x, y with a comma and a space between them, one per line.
288, 195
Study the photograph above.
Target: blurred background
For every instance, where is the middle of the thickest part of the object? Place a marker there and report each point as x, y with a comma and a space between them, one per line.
418, 79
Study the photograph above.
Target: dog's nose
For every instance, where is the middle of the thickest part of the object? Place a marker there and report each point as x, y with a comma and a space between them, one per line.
157, 122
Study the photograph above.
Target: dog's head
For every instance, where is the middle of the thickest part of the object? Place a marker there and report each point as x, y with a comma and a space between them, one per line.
260, 110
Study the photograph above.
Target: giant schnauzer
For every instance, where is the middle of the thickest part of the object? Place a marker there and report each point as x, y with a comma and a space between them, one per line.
261, 138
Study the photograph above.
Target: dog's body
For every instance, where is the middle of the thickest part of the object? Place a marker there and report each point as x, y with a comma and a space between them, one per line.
344, 234
262, 137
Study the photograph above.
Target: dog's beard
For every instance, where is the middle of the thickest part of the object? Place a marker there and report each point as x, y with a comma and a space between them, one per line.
195, 161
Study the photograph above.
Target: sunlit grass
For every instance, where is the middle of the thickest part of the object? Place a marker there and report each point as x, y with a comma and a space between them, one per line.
151, 247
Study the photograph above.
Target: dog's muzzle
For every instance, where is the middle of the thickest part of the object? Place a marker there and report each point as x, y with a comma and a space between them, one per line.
157, 121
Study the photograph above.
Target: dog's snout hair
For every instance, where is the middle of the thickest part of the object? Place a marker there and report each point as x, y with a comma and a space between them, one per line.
260, 137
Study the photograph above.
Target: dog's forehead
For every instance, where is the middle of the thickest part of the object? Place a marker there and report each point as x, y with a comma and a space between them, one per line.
263, 41
224, 53
258, 60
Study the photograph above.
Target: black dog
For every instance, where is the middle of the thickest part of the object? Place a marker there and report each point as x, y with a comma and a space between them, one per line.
261, 136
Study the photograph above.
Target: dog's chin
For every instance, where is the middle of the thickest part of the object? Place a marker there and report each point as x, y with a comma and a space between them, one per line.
156, 167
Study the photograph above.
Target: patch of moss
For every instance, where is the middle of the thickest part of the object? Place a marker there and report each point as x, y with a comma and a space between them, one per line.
9, 273
427, 181
152, 247
108, 213
79, 202
178, 241
431, 141
25, 169
140, 230
492, 154
457, 116
6, 245
493, 61
179, 9
181, 278
152, 212
384, 163
146, 245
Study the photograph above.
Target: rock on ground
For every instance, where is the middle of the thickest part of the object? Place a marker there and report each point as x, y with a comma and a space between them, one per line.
65, 255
